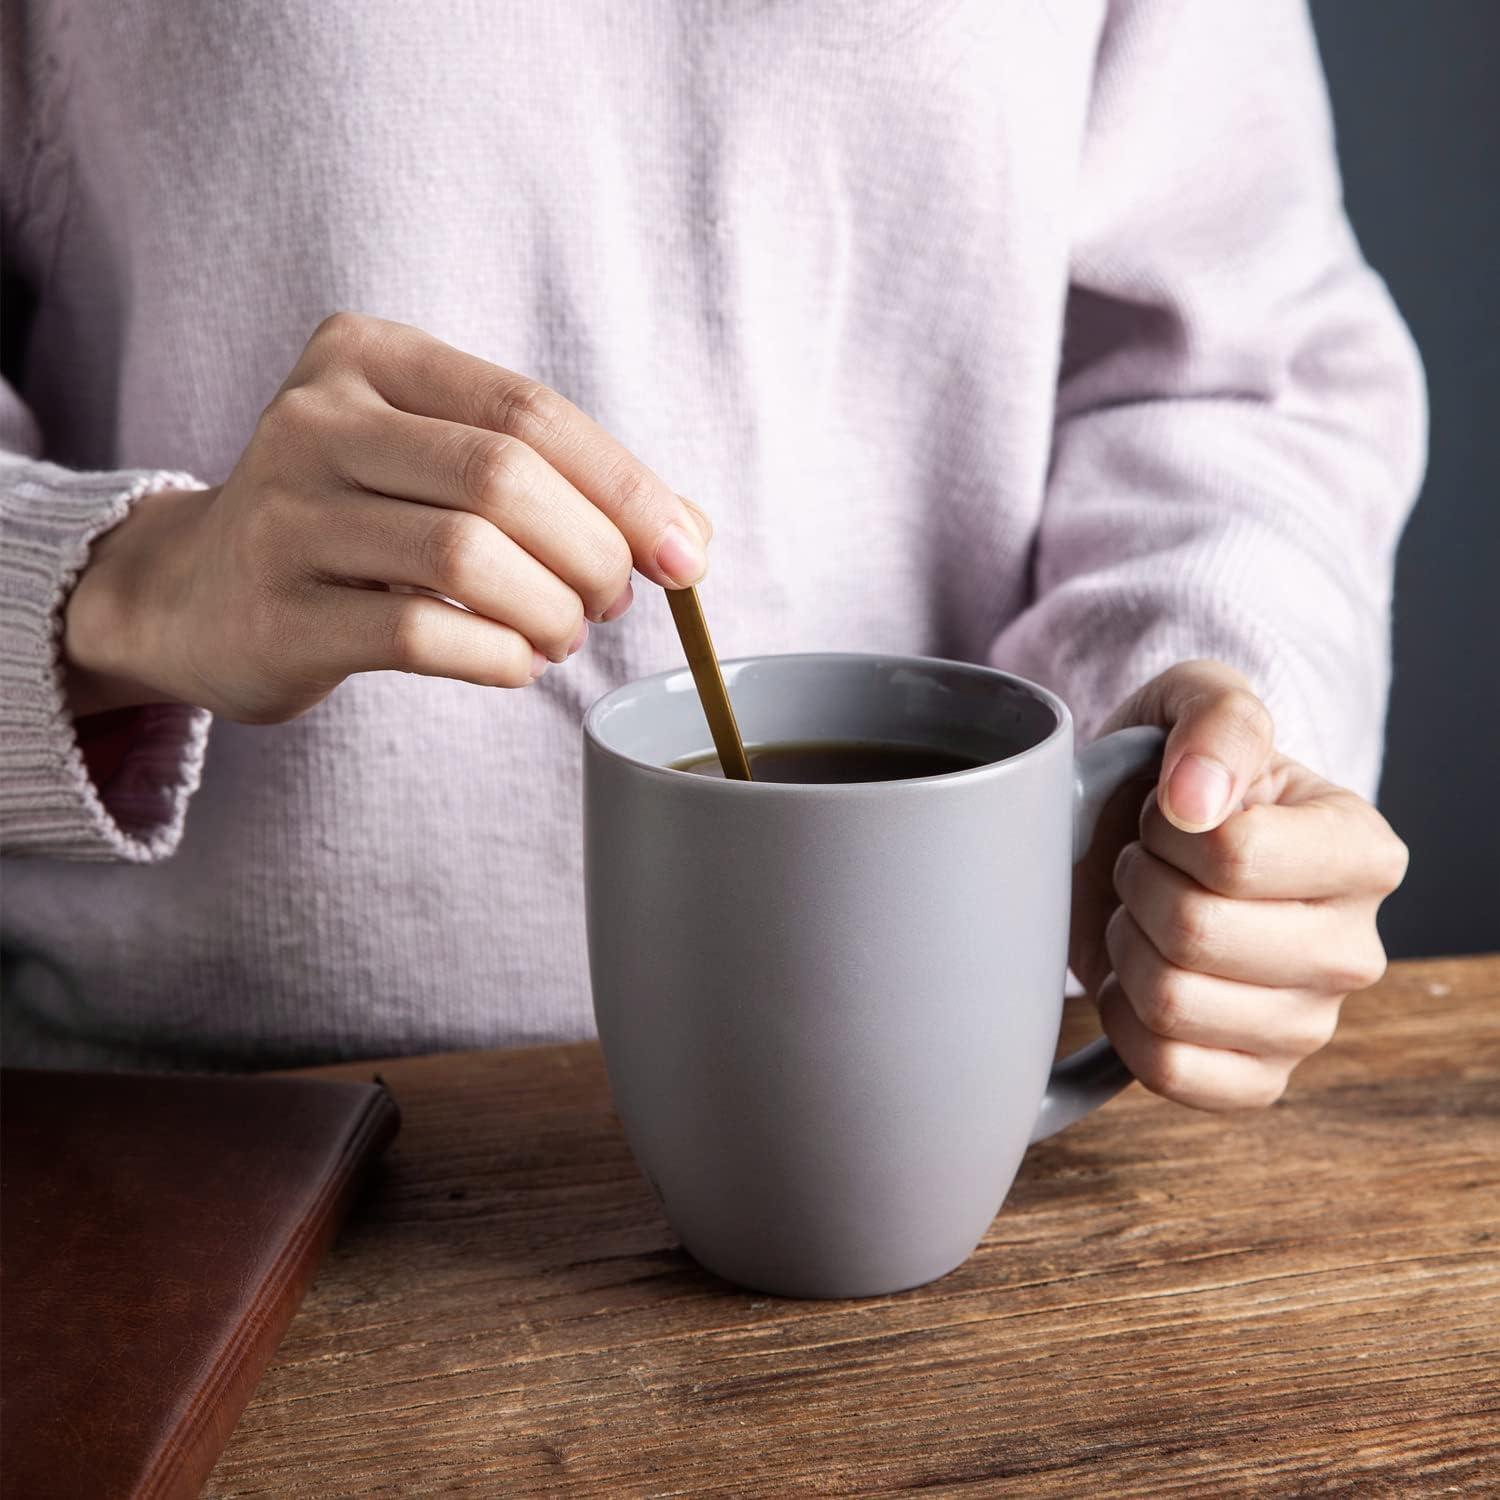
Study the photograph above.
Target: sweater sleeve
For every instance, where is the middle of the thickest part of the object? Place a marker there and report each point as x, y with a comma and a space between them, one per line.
50, 803
108, 787
1240, 426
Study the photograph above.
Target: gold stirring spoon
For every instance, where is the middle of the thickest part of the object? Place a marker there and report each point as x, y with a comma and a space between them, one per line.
687, 614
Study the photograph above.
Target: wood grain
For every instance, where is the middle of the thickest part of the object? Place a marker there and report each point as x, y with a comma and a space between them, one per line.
1303, 1301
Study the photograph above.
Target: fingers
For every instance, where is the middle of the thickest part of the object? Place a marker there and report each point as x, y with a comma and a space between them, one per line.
1249, 901
1203, 1077
497, 477
422, 375
372, 631
1180, 1005
454, 553
705, 526
1328, 946
1219, 738
1332, 845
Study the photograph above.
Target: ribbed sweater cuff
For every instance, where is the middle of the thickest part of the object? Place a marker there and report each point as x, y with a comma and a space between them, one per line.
49, 805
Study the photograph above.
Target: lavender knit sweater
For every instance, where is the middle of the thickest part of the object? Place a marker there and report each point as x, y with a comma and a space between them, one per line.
1025, 332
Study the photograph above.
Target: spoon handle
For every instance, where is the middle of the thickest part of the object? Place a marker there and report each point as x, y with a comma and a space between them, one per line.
687, 613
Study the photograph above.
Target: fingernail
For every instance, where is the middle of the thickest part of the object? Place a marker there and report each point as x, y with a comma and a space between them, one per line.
1198, 792
619, 607
538, 665
576, 644
680, 556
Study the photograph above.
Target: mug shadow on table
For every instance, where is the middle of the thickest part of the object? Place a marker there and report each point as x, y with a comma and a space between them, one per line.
542, 1210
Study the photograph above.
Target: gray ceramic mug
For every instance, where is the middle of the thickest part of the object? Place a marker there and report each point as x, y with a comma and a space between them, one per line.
829, 1012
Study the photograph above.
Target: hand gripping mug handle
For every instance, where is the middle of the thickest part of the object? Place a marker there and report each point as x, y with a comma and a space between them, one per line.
1087, 1078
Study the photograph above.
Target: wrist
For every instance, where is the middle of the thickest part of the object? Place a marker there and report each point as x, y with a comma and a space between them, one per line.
116, 623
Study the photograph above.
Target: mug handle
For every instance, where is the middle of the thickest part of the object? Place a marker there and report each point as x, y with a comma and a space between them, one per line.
1087, 1078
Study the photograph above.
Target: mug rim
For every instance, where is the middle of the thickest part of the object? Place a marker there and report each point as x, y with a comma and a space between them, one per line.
721, 786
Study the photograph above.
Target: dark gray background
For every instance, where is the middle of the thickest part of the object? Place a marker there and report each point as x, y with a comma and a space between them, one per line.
1418, 117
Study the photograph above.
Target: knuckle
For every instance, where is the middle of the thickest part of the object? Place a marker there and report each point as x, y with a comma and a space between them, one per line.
1190, 940
1119, 944
491, 469
278, 419
515, 667
340, 334
509, 674
270, 521
411, 644
1126, 863
508, 660
1321, 1026
530, 410
606, 568
560, 625
1297, 1036
1265, 1089
1395, 863
1165, 1004
1250, 718
564, 626
636, 496
294, 413
456, 546
1166, 1069
1362, 968
1353, 969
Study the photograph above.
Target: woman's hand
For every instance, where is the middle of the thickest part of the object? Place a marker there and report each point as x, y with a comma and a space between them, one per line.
386, 458
1222, 940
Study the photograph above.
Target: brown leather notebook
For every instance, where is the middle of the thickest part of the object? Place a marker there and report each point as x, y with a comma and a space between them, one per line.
156, 1235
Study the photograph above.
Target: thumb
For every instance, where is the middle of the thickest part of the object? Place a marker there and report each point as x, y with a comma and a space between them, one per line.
1220, 736
700, 519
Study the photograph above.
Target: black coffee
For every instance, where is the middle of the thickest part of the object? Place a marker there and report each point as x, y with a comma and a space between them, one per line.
821, 762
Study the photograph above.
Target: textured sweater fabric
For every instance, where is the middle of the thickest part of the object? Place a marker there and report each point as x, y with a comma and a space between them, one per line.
1026, 332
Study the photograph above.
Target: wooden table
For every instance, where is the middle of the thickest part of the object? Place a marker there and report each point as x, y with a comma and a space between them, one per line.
1305, 1301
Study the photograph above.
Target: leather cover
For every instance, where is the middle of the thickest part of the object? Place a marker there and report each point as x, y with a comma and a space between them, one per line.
156, 1235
